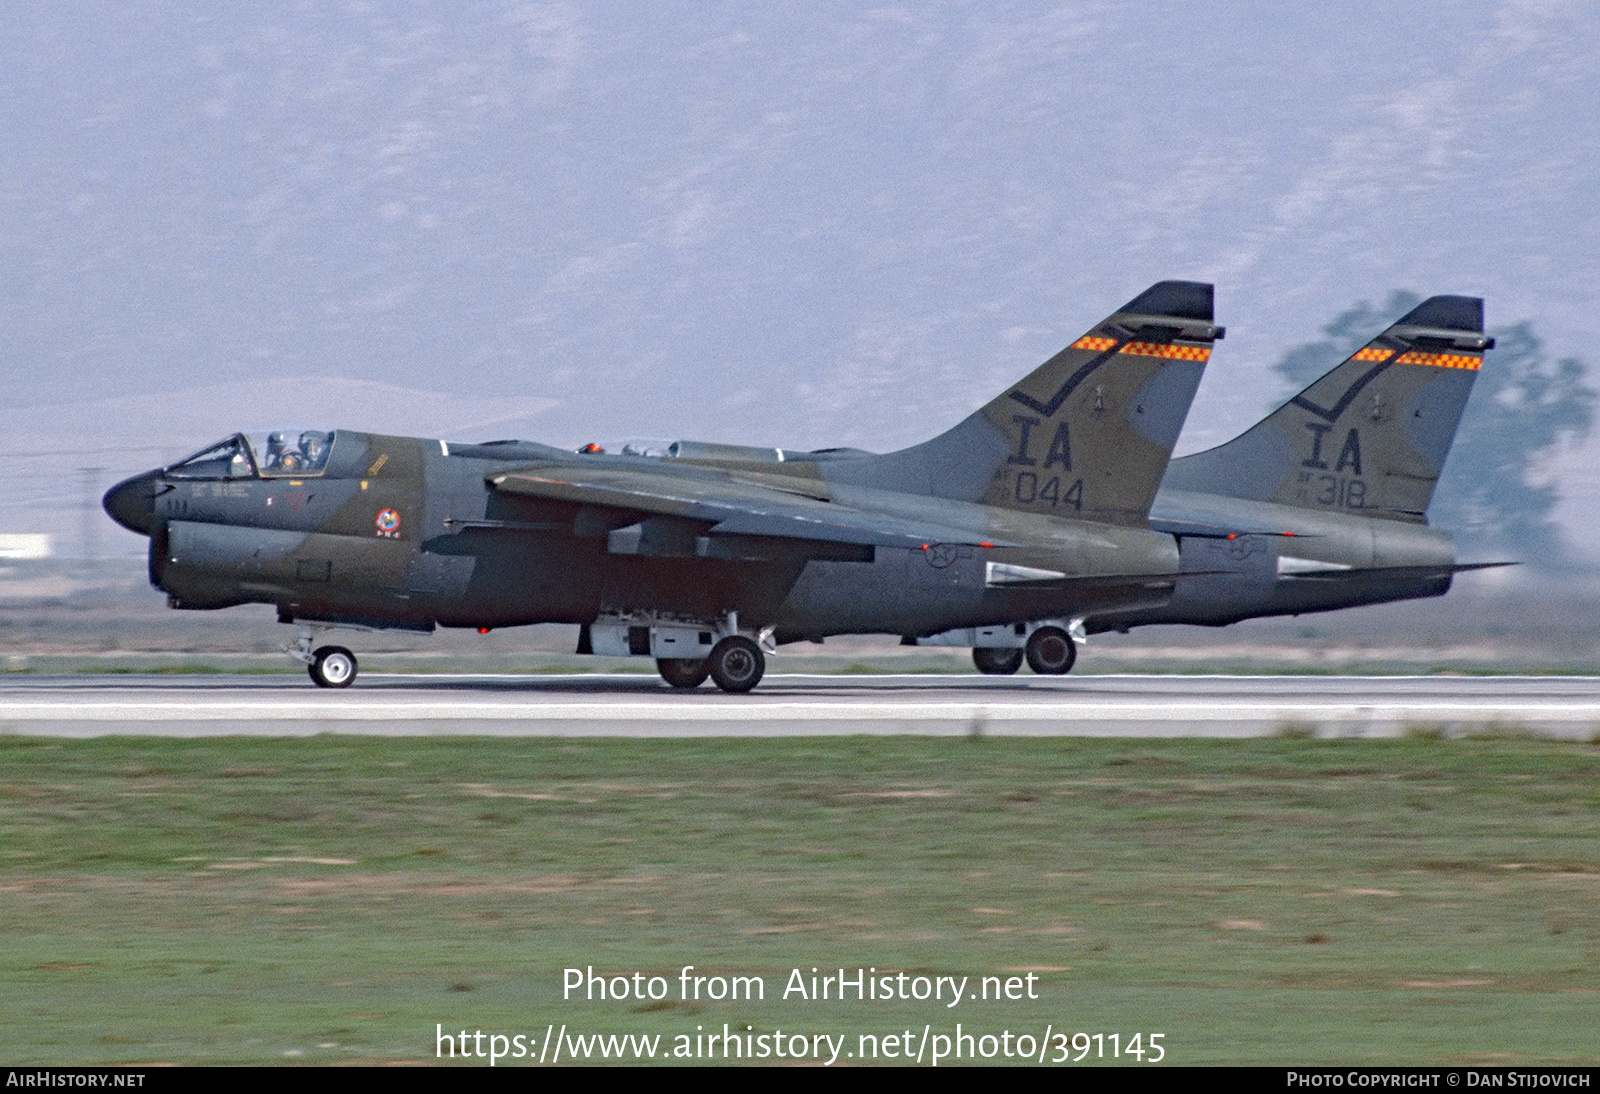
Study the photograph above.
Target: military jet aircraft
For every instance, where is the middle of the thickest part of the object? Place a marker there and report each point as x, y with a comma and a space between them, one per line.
1321, 505
706, 557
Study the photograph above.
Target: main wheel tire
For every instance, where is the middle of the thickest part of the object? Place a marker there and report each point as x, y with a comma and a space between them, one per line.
736, 664
682, 672
993, 662
332, 667
1051, 651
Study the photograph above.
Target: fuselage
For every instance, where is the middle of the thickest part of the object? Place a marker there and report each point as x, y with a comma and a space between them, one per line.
386, 531
1243, 559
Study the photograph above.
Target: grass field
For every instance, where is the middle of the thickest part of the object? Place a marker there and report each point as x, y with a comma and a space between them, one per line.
333, 900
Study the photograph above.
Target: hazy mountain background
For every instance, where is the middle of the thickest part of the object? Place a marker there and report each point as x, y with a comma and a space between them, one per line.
806, 225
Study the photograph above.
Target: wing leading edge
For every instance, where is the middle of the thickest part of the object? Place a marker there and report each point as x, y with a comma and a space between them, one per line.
734, 506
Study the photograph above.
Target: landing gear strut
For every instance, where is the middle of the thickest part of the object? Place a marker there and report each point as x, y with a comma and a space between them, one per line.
328, 666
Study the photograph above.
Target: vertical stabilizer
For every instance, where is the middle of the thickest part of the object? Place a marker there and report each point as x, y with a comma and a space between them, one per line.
1369, 438
1087, 434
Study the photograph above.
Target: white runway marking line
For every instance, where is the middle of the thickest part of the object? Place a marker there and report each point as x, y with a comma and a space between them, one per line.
1098, 706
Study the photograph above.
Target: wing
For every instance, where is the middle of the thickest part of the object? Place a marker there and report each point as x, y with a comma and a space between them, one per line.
735, 505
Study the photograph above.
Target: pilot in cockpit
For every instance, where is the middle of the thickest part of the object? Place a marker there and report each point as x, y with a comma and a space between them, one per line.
280, 457
313, 449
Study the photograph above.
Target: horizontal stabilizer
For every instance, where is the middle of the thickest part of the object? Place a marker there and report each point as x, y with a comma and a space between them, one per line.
1396, 572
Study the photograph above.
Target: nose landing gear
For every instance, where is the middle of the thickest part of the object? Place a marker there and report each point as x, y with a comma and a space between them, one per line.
328, 666
332, 667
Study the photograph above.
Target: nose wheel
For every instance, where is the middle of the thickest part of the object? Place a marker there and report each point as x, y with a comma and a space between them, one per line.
332, 667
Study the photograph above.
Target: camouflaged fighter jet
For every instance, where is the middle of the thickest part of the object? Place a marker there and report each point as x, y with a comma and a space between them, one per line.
1321, 505
704, 556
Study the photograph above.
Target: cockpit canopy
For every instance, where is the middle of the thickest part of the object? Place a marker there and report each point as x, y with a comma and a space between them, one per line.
281, 453
296, 454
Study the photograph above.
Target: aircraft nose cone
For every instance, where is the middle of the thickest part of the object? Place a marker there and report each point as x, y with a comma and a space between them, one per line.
132, 502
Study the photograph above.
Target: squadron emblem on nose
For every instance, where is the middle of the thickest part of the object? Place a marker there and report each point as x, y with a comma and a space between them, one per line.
388, 523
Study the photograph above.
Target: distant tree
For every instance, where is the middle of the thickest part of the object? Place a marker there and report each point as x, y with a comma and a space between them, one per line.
1350, 330
1495, 494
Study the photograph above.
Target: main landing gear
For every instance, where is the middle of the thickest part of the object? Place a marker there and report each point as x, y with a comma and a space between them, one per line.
1049, 651
736, 664
683, 672
993, 662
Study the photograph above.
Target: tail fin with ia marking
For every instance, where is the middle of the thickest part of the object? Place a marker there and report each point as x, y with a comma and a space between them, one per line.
1088, 434
1369, 438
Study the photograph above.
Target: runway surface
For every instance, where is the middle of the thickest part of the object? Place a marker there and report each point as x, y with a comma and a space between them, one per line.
795, 705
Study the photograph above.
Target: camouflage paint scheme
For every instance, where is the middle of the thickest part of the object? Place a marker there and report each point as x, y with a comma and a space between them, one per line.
1035, 508
1320, 506
1323, 504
